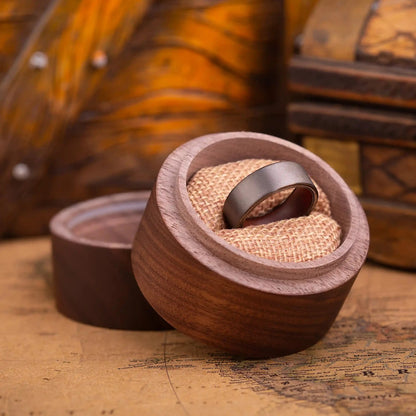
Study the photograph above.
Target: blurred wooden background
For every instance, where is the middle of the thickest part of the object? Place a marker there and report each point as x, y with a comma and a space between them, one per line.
355, 80
94, 95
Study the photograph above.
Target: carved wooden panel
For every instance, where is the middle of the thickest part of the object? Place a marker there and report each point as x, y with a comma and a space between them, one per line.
393, 232
363, 77
389, 172
342, 38
389, 37
333, 29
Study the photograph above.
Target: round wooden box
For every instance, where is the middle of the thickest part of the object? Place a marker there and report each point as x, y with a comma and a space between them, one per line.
92, 276
224, 296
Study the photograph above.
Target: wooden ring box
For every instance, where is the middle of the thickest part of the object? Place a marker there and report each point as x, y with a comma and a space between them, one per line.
93, 280
224, 296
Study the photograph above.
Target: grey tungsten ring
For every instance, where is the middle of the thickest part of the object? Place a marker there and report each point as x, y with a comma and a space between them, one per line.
264, 182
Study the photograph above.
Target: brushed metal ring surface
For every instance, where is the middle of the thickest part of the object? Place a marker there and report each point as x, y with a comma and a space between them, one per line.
264, 182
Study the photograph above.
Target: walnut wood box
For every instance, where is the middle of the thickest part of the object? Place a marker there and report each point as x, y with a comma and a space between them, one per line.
227, 297
354, 80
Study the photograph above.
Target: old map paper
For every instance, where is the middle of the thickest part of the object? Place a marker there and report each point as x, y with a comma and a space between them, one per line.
50, 365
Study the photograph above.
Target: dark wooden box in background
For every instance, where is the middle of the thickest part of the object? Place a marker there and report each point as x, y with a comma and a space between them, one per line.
354, 85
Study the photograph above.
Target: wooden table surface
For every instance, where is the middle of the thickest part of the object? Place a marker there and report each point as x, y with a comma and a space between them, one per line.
50, 365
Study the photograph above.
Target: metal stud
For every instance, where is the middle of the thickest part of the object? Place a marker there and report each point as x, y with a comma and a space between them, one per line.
375, 6
99, 59
38, 60
21, 172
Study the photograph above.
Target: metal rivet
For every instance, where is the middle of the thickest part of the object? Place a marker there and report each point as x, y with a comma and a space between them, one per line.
38, 60
21, 172
374, 7
99, 59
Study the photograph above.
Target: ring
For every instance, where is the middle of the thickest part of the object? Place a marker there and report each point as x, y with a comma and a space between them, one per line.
264, 182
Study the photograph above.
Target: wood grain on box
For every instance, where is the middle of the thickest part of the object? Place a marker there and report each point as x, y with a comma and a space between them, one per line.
225, 296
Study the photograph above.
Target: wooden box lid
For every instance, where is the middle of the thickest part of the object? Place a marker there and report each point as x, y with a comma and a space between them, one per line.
360, 51
93, 281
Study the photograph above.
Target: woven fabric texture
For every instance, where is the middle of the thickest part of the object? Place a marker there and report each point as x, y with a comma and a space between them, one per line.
294, 240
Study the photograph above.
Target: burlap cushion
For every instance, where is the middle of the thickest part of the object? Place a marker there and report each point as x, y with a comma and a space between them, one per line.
294, 240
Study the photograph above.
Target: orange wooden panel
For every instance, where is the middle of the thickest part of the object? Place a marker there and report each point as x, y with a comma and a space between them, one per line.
189, 69
17, 19
48, 83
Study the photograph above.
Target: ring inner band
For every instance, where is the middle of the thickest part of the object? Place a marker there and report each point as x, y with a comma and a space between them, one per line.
264, 182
